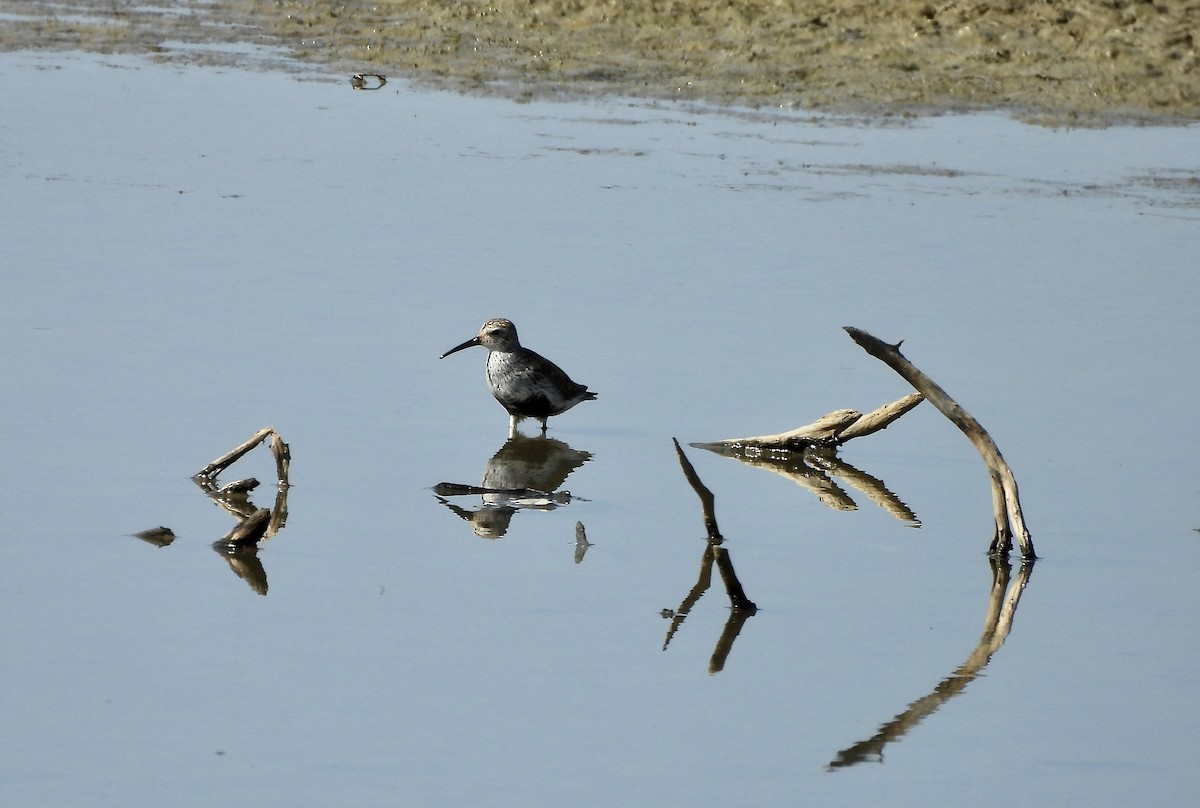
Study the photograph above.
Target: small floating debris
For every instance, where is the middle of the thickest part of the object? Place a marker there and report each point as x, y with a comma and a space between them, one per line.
158, 536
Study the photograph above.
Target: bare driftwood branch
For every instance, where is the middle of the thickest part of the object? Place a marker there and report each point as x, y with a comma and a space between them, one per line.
232, 456
283, 457
832, 429
1003, 598
805, 455
254, 523
1006, 504
707, 501
281, 451
880, 419
822, 431
249, 530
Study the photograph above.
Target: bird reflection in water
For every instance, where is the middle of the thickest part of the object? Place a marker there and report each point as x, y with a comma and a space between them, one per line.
525, 474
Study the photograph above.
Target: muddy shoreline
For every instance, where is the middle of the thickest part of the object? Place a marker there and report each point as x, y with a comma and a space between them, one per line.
1083, 63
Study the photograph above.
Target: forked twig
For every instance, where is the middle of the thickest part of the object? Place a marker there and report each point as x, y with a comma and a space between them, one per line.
742, 608
830, 430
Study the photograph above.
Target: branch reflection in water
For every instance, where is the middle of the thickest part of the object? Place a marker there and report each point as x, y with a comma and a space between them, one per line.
818, 470
239, 547
1003, 598
524, 474
741, 607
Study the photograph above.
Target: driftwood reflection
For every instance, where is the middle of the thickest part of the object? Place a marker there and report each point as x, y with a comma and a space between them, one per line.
239, 547
741, 607
808, 457
819, 471
1003, 598
525, 474
245, 563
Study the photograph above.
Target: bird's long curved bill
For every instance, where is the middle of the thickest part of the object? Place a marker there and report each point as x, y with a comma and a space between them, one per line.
471, 343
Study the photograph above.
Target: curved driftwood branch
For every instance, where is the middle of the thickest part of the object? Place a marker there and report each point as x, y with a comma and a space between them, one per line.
283, 457
1006, 504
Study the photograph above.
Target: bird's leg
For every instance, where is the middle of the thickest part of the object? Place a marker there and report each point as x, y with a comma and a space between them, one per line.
543, 420
512, 426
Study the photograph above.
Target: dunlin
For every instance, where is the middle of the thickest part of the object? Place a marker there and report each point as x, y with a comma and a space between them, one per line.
525, 383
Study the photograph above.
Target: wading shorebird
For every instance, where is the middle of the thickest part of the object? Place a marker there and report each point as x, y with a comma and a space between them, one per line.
525, 383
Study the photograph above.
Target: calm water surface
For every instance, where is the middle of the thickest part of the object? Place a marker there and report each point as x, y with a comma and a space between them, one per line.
190, 255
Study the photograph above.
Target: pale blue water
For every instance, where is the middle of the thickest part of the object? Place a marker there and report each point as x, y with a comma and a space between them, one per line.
190, 255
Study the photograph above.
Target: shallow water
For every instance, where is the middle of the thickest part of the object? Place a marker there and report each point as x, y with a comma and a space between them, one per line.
193, 254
